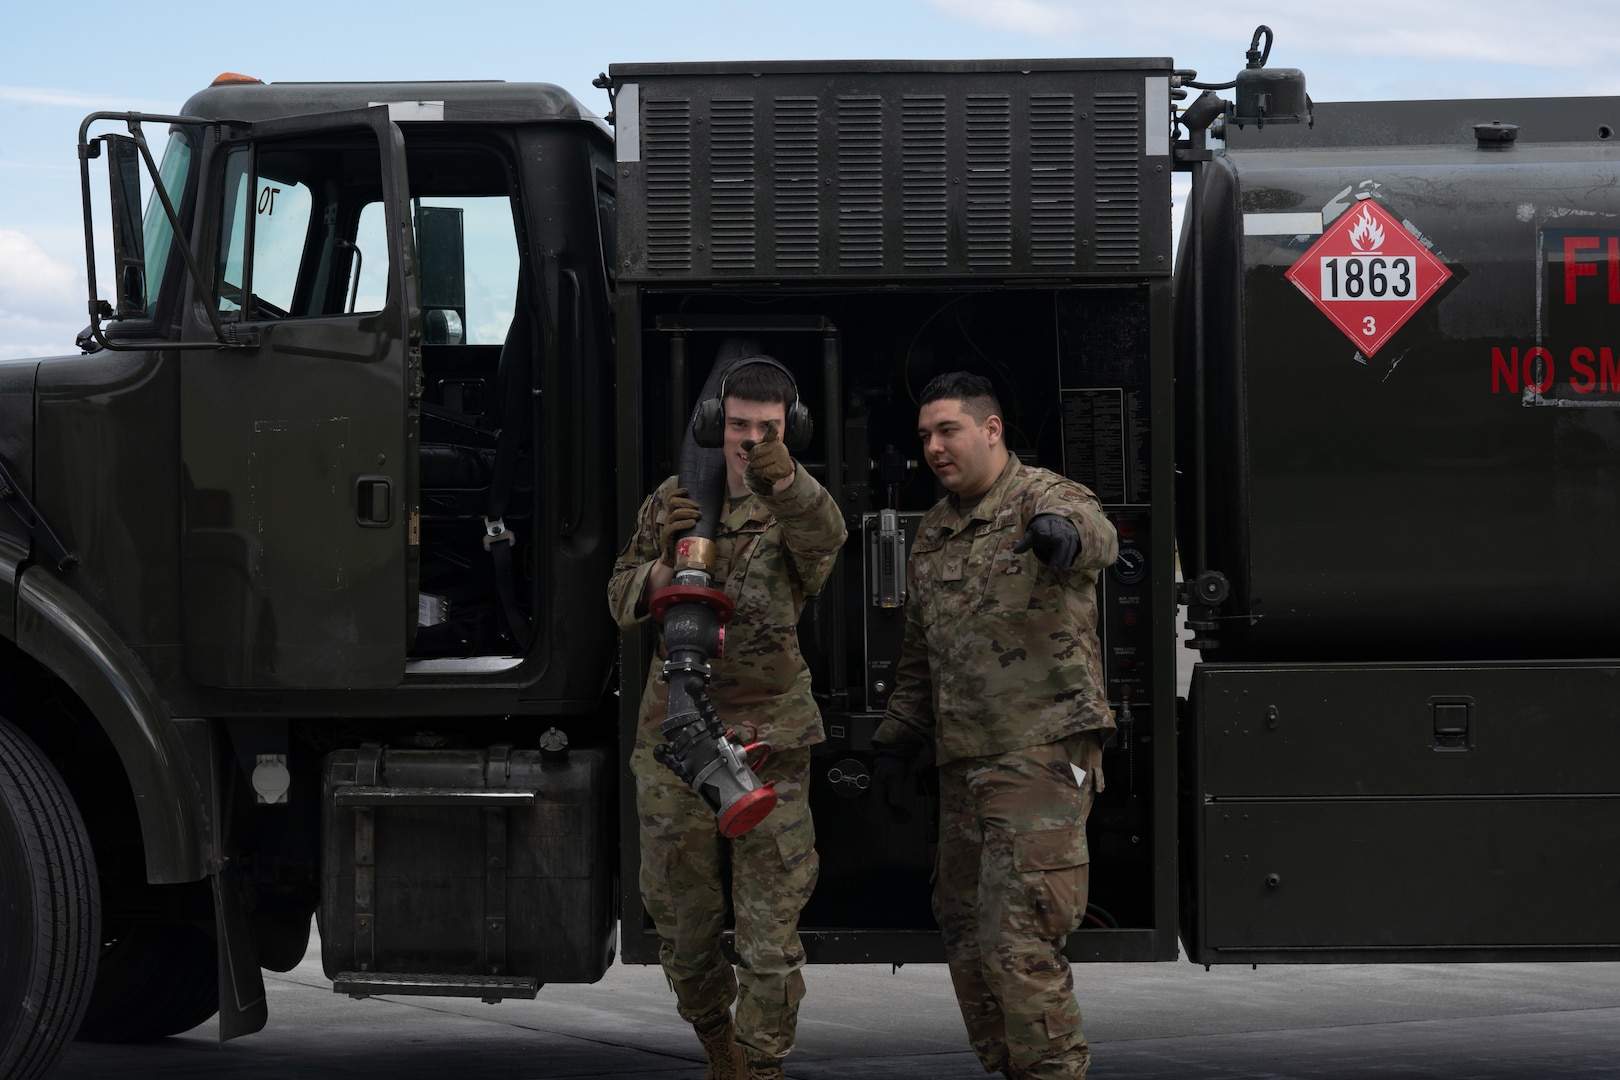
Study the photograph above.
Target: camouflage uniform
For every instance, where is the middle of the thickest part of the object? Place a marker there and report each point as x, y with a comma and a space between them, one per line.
1001, 670
771, 554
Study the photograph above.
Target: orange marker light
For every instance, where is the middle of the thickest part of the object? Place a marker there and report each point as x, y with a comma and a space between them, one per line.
228, 78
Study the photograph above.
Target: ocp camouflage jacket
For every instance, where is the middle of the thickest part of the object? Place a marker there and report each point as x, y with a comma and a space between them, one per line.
771, 554
1001, 651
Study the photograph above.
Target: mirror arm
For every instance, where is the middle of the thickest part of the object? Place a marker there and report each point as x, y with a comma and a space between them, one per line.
98, 308
88, 150
174, 224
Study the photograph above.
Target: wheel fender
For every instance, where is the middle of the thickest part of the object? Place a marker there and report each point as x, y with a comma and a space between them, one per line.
59, 629
11, 557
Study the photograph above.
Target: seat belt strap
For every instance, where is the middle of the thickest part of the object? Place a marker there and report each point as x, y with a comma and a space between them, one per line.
499, 542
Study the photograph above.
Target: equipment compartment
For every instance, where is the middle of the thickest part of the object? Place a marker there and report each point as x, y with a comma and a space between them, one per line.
479, 863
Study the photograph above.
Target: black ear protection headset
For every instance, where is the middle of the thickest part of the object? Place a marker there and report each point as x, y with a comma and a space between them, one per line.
709, 418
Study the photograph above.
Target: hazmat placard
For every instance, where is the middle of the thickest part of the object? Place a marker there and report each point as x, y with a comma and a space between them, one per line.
1368, 274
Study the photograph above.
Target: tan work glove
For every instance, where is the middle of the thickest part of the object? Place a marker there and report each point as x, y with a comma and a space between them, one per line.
683, 513
769, 462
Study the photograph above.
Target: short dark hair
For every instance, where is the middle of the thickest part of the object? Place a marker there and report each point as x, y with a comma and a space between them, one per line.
758, 382
977, 396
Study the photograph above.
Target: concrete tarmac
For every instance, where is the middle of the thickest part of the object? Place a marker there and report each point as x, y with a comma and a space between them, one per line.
1169, 1021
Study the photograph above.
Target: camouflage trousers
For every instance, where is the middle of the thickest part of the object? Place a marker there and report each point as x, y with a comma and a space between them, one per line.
773, 871
1011, 885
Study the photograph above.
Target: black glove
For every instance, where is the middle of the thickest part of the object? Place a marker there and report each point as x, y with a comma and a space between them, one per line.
769, 462
891, 768
1055, 539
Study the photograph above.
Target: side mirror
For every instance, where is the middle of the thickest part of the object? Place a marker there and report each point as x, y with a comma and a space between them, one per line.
441, 251
129, 242
442, 326
127, 157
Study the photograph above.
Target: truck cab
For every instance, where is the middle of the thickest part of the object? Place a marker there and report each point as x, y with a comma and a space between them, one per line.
327, 479
450, 259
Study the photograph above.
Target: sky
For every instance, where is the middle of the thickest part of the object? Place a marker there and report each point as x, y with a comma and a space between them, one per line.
62, 61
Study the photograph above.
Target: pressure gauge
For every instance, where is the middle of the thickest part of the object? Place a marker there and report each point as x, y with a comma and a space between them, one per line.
1131, 566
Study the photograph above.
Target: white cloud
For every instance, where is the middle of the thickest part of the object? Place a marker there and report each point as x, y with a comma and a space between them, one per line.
1379, 31
41, 299
36, 95
1034, 17
38, 167
22, 336
29, 276
1407, 45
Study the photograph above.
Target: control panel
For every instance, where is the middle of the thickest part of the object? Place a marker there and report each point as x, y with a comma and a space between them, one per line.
1125, 608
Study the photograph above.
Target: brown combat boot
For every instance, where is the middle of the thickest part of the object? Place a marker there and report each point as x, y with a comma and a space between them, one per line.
726, 1061
765, 1072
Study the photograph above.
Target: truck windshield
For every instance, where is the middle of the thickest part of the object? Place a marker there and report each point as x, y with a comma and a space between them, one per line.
159, 234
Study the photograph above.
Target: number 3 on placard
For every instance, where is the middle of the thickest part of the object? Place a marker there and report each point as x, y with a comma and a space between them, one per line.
1370, 325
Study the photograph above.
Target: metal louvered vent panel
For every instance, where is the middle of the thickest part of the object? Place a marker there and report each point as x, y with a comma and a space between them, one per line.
1051, 153
1118, 221
731, 182
669, 183
791, 174
989, 180
923, 208
796, 181
860, 182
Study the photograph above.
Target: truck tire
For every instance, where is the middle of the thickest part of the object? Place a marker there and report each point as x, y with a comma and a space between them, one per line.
154, 980
50, 911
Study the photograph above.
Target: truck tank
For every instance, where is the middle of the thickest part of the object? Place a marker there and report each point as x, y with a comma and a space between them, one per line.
1411, 383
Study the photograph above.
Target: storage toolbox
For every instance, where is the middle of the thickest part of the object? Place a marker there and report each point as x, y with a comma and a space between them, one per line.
476, 873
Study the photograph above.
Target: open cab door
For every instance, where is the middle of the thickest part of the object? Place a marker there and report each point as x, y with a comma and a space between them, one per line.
299, 435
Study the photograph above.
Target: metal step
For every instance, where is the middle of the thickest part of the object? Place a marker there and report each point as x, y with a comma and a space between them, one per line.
488, 988
495, 798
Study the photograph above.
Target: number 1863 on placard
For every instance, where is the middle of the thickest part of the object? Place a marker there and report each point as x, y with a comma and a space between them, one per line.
1367, 277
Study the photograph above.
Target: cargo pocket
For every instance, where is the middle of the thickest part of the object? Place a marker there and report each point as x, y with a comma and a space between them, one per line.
790, 890
797, 842
1053, 875
1063, 1028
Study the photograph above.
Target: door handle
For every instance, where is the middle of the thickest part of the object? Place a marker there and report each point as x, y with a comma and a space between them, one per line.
374, 502
1452, 724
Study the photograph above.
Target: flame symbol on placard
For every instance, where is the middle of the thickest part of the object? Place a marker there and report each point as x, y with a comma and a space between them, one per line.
1366, 236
